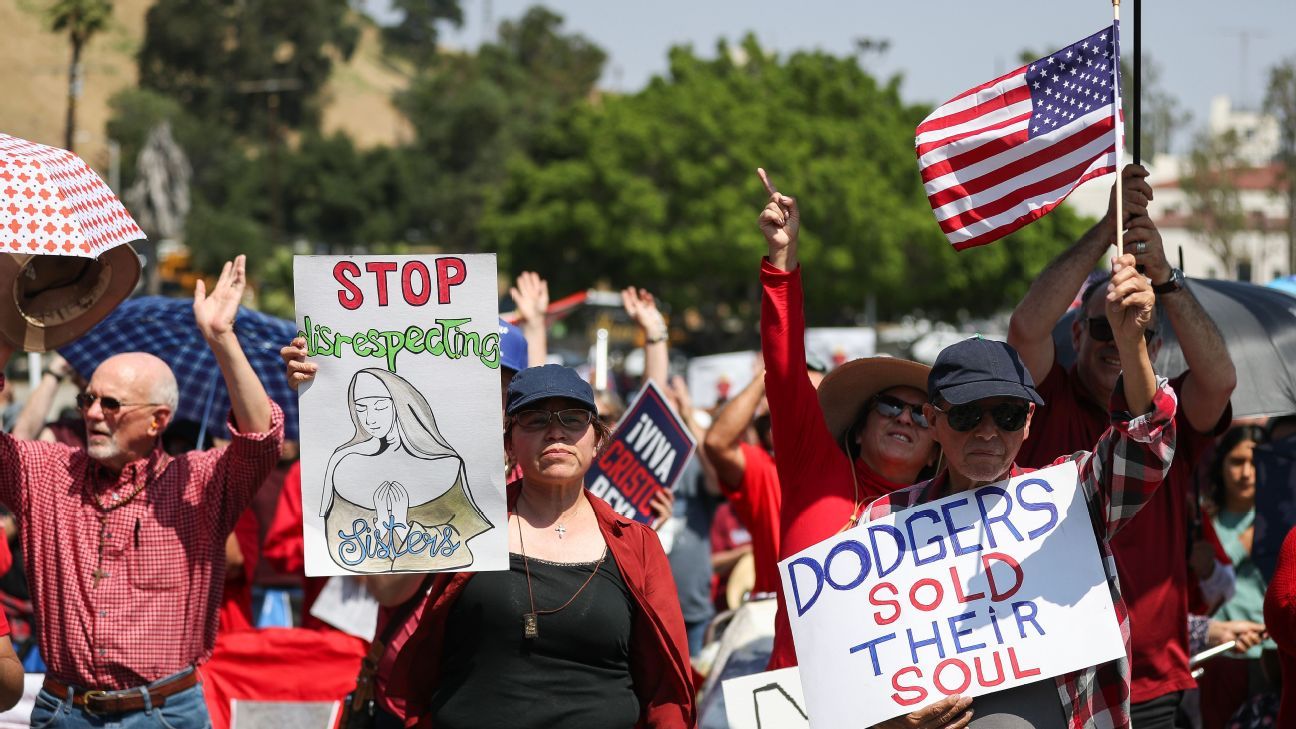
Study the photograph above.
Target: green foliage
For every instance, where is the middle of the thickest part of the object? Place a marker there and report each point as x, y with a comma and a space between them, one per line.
414, 36
220, 58
80, 19
658, 189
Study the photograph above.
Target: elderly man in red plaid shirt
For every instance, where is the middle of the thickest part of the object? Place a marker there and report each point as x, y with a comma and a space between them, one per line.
125, 546
982, 398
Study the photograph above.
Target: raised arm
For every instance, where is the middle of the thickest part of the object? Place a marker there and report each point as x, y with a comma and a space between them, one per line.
215, 315
1211, 376
723, 442
1030, 330
642, 308
1130, 302
35, 412
531, 296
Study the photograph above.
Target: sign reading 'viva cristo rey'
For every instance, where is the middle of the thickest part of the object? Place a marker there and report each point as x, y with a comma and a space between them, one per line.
402, 455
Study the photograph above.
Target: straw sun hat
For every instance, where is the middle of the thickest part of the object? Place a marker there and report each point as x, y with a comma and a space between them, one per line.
846, 390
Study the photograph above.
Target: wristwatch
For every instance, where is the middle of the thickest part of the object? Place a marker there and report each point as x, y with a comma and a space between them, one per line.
1175, 283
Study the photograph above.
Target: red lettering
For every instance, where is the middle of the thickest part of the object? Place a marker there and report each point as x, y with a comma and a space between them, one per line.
407, 283
1016, 669
446, 279
998, 665
921, 693
958, 588
380, 269
940, 669
349, 296
995, 594
913, 594
893, 604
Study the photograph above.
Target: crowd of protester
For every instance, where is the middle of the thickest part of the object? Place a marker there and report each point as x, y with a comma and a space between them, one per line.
796, 455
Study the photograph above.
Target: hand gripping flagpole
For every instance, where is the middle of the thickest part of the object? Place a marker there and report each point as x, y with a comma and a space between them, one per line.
1116, 127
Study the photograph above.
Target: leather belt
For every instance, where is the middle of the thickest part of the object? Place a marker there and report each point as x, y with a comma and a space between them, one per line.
96, 702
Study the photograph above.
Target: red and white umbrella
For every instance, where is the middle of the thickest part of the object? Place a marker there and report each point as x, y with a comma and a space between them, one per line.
53, 203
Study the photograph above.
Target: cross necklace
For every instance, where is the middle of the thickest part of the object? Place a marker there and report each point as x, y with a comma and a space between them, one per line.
104, 509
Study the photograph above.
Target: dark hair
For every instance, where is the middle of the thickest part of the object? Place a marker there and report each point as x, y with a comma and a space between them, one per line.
1230, 440
1278, 424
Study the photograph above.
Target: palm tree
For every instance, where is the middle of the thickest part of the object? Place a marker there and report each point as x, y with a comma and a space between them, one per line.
80, 19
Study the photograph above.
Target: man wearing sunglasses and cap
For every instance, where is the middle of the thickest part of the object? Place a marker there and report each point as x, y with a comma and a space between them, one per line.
1152, 554
126, 545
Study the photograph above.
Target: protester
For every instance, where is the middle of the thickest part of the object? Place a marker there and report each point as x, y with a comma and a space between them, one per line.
545, 643
1228, 683
1150, 555
862, 436
125, 546
31, 421
1280, 618
285, 550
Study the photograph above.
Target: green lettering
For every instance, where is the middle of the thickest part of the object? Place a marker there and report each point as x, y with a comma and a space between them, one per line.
395, 342
414, 340
489, 353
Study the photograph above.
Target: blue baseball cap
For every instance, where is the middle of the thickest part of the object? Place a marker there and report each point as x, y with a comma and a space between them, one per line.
513, 347
534, 384
977, 368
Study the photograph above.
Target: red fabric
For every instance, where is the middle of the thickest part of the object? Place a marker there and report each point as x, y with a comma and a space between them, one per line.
659, 657
236, 602
6, 556
818, 493
155, 613
285, 550
727, 532
1280, 621
757, 502
279, 664
1197, 604
1151, 554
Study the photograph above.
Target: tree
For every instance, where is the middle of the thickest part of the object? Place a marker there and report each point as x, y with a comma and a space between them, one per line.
219, 58
1214, 203
658, 189
81, 20
1280, 100
414, 36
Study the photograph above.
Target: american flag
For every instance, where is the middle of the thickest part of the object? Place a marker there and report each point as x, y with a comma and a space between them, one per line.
1004, 153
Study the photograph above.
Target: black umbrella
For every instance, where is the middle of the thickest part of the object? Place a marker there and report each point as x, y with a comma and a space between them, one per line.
1259, 327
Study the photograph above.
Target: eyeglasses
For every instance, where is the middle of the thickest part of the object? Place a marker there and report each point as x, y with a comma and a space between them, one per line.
1008, 416
891, 407
109, 404
1100, 330
537, 420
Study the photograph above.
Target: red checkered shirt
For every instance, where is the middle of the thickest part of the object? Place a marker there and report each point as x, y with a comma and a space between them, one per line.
155, 612
1117, 478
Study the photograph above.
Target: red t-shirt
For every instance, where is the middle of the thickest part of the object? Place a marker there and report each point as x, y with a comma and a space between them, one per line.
1151, 551
236, 602
756, 501
285, 548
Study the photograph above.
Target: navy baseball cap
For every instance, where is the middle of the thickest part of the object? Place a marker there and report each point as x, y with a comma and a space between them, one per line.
534, 384
977, 368
513, 347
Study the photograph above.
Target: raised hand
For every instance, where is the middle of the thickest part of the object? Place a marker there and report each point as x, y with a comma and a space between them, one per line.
215, 313
1129, 301
780, 222
642, 308
1144, 241
1136, 193
299, 371
531, 296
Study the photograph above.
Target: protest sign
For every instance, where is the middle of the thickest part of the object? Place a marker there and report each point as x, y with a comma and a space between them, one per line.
835, 346
402, 455
648, 451
715, 378
769, 700
976, 592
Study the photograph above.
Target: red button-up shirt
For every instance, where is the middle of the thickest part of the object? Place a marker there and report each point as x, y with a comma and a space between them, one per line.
155, 611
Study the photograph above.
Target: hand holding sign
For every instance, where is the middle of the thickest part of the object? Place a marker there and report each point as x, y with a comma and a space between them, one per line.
299, 371
951, 712
780, 221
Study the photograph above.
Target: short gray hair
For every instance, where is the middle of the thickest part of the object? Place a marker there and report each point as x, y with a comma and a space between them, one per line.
166, 391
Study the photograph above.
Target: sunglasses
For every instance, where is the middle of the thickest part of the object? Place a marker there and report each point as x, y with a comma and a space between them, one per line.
108, 404
1008, 416
891, 407
1100, 330
537, 420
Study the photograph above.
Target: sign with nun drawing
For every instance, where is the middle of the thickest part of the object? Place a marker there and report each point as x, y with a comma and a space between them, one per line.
401, 447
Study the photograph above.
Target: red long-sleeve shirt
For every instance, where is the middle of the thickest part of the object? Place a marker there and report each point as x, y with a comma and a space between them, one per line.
1280, 620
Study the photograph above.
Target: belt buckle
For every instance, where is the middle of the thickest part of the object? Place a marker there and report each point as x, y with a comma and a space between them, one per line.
94, 695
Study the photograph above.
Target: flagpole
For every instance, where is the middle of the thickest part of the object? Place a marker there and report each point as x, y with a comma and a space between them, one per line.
1116, 127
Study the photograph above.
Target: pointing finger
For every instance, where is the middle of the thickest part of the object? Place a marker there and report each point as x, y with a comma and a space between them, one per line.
765, 180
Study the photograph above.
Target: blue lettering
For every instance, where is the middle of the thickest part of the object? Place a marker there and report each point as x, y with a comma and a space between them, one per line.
954, 532
1026, 612
935, 640
872, 649
850, 545
981, 497
937, 540
899, 539
954, 628
1047, 506
802, 607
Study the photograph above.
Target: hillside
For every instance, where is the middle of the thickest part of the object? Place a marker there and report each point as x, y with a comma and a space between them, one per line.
33, 73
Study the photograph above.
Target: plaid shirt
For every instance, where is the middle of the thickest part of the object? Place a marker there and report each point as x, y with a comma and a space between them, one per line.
155, 611
1117, 478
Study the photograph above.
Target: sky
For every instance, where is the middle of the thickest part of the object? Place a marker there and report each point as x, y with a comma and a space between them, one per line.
940, 47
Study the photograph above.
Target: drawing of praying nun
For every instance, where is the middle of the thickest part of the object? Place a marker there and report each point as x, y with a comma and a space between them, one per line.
396, 496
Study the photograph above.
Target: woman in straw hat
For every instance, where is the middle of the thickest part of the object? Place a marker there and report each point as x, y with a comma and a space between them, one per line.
860, 438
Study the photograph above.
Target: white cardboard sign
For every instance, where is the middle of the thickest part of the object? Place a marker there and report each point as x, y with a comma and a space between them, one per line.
976, 592
769, 700
401, 446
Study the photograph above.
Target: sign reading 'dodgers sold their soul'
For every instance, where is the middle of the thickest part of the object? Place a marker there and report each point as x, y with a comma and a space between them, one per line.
402, 458
647, 454
976, 592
